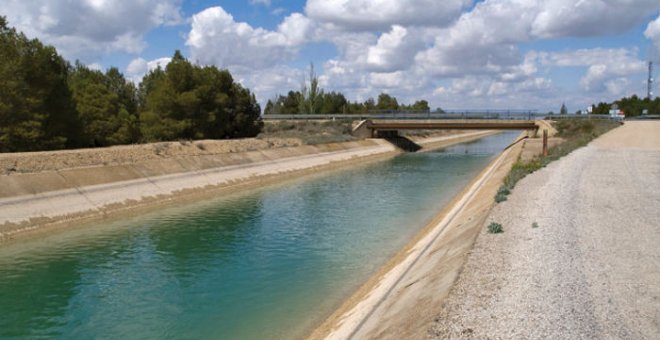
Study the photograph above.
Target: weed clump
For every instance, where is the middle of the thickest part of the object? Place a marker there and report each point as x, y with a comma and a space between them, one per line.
502, 194
495, 228
535, 225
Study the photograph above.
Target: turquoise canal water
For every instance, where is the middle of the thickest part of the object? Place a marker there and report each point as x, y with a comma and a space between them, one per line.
263, 264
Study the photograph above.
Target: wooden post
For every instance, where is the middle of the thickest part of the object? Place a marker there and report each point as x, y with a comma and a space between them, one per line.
545, 143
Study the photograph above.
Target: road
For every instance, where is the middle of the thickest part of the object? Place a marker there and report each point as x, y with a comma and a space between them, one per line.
590, 270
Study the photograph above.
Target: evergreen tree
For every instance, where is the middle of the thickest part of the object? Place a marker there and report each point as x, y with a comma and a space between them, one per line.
36, 107
601, 109
387, 103
193, 102
334, 102
418, 106
421, 106
106, 106
369, 106
270, 108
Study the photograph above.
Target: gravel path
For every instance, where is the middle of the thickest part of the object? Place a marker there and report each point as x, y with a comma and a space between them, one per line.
590, 270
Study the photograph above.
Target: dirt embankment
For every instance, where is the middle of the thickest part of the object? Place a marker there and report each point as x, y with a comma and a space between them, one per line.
579, 256
28, 162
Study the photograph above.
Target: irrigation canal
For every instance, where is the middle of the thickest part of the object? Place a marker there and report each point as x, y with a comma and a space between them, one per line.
265, 263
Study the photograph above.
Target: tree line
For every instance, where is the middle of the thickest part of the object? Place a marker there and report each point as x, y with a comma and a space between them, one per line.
311, 99
631, 106
336, 102
47, 103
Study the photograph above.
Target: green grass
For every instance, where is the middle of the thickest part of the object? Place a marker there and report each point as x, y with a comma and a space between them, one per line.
576, 134
309, 132
495, 228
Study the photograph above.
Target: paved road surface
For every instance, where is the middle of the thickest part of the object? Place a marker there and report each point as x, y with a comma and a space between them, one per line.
591, 270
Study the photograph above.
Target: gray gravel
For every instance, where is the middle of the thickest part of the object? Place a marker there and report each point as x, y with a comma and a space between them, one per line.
591, 270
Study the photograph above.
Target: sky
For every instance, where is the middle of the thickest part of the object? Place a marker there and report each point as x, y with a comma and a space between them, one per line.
457, 54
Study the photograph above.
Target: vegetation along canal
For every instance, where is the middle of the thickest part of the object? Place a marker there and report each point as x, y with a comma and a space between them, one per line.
267, 263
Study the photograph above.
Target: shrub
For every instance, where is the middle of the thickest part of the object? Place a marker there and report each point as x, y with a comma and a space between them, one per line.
502, 194
495, 228
535, 225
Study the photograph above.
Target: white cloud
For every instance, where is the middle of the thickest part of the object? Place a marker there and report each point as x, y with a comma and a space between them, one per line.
483, 92
652, 32
395, 50
216, 38
475, 44
440, 50
382, 14
278, 11
598, 75
269, 82
95, 66
387, 80
87, 29
138, 67
261, 2
603, 66
417, 48
618, 86
562, 18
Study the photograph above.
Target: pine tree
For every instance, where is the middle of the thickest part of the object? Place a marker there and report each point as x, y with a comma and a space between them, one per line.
37, 111
193, 102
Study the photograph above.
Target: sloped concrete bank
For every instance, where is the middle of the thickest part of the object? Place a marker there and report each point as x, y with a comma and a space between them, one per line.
35, 202
402, 298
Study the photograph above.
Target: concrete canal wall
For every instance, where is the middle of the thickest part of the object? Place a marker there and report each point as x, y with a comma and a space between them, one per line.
401, 299
32, 202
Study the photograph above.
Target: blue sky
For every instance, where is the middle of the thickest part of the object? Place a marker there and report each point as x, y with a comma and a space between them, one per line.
457, 54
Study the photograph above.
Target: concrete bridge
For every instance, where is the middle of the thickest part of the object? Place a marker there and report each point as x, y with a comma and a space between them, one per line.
374, 128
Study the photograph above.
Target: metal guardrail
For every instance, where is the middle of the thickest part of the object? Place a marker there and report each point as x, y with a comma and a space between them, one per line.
588, 117
492, 115
527, 125
506, 115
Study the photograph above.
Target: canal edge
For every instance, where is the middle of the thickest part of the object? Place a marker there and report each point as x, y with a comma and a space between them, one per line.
348, 320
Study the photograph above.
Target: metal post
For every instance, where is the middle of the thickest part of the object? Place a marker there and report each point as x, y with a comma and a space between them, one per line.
545, 143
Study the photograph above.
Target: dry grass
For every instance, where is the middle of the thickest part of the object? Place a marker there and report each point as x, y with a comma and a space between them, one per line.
309, 132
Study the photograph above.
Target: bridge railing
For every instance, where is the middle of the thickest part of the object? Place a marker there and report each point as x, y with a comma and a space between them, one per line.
574, 116
503, 115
